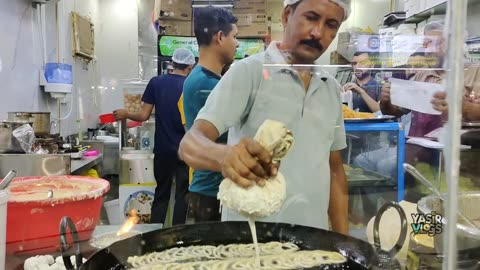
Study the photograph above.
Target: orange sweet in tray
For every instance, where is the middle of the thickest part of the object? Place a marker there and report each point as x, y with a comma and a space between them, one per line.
349, 113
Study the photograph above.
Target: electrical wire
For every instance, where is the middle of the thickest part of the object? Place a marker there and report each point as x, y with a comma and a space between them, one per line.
40, 25
69, 112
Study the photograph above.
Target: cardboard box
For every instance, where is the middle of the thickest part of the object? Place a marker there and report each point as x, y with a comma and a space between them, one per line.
251, 19
250, 10
256, 30
337, 59
346, 51
248, 3
249, 7
173, 10
176, 28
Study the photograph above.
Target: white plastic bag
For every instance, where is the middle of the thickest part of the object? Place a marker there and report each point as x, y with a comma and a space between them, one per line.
26, 137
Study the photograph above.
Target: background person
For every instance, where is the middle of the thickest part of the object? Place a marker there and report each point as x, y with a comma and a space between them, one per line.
163, 93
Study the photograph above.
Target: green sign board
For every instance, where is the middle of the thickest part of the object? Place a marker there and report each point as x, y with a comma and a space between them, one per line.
168, 44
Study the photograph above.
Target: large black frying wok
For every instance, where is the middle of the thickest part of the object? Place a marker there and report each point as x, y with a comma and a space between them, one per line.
360, 254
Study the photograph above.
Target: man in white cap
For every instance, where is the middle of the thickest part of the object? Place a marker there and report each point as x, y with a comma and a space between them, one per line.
163, 93
284, 84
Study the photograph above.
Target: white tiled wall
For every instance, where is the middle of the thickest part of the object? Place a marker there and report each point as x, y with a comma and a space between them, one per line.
117, 37
116, 32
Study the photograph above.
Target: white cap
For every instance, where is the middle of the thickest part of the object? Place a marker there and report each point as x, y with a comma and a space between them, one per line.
183, 56
345, 4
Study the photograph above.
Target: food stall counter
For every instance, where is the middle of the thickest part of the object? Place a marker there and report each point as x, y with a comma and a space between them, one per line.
81, 165
354, 129
16, 261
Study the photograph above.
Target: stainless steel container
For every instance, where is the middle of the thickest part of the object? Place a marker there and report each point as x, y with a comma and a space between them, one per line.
19, 116
41, 123
467, 237
8, 143
40, 120
35, 164
136, 166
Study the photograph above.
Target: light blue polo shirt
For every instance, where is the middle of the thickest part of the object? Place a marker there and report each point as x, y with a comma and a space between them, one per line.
264, 87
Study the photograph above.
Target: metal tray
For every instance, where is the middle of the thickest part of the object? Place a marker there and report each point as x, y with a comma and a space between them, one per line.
381, 118
367, 177
471, 124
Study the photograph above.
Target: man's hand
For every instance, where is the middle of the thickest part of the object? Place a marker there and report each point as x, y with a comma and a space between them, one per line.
354, 88
385, 96
248, 161
439, 101
470, 110
120, 114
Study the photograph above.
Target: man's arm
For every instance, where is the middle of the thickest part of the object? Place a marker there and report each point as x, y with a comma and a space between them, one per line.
245, 162
338, 205
371, 103
242, 163
385, 104
198, 148
148, 99
140, 116
471, 111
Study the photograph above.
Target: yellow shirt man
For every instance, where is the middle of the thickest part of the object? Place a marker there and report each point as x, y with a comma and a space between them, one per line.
184, 122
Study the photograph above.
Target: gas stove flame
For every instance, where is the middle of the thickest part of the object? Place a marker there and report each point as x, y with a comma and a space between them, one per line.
128, 225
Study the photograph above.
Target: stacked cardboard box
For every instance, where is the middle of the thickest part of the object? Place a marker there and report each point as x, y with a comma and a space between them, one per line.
252, 18
175, 28
338, 59
346, 44
174, 16
249, 6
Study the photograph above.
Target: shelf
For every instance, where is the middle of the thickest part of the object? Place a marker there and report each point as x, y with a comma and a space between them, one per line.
439, 9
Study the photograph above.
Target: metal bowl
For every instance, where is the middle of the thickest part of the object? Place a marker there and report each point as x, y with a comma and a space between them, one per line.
467, 237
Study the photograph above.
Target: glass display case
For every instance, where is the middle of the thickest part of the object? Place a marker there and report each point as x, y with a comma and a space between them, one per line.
373, 161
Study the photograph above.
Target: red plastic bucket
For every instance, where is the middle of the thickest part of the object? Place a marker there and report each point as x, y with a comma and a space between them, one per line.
107, 118
33, 219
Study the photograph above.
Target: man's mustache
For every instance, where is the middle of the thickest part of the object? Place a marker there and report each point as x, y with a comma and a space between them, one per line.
312, 43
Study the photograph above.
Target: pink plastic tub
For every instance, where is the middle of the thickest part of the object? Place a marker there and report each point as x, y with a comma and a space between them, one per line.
33, 218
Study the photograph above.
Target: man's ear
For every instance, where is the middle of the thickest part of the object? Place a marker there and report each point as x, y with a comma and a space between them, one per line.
218, 37
287, 12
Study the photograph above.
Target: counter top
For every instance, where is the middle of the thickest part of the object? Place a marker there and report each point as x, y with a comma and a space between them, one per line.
79, 166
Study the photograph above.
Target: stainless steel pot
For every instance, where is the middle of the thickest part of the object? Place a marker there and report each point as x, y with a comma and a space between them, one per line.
19, 116
41, 121
8, 143
467, 237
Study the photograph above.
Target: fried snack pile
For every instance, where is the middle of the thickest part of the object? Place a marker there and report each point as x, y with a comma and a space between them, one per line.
349, 113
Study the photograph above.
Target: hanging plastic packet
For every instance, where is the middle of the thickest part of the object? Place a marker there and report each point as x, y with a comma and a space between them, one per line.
347, 98
26, 137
